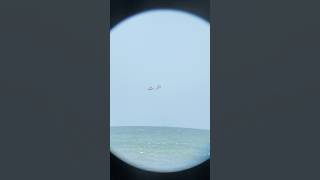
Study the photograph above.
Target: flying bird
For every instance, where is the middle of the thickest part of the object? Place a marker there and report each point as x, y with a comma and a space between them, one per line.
152, 88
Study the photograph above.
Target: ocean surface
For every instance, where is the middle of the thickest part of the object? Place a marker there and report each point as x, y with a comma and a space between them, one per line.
160, 149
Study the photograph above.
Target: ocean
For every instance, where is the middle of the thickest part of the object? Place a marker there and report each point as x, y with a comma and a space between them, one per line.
160, 149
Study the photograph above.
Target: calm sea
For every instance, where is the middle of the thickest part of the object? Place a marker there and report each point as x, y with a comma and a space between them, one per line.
160, 149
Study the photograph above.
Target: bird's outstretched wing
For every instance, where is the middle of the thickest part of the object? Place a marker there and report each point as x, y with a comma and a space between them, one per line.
158, 87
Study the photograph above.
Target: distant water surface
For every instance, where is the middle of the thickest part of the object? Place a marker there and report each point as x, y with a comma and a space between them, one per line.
160, 149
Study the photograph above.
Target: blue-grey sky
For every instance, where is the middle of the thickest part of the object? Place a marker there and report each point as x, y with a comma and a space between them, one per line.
160, 47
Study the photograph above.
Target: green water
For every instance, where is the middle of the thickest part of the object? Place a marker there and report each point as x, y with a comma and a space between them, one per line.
160, 149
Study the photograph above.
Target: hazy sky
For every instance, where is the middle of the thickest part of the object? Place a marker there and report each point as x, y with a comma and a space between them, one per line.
167, 48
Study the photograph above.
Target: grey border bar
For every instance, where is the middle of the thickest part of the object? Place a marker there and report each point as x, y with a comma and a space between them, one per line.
108, 89
212, 94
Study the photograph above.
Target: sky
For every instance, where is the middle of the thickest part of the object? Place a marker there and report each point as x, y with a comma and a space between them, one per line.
160, 70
